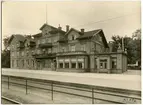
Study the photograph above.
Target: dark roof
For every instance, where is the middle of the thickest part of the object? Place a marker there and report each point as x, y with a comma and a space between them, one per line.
72, 30
37, 35
64, 38
18, 37
89, 34
55, 30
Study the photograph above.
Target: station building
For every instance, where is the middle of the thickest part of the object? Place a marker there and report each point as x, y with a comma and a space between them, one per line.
70, 51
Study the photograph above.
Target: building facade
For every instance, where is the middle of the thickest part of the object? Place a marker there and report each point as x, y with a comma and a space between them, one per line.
70, 50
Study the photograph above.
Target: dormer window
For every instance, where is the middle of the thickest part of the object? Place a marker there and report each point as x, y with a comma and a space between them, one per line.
73, 37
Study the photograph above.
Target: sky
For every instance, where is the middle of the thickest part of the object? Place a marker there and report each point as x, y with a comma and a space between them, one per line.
113, 17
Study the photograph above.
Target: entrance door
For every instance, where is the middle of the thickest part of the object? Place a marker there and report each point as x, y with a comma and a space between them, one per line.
103, 65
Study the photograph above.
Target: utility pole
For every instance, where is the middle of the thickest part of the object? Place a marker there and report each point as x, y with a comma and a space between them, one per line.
46, 15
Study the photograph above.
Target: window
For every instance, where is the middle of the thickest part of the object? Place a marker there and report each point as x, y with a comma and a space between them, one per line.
49, 50
22, 53
66, 65
23, 63
17, 63
73, 65
54, 39
12, 53
33, 63
12, 63
72, 37
103, 64
38, 42
27, 62
114, 65
79, 65
73, 48
43, 41
38, 51
61, 65
43, 63
100, 39
63, 49
27, 53
83, 47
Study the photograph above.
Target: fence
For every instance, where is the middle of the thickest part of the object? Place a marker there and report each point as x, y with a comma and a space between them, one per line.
76, 89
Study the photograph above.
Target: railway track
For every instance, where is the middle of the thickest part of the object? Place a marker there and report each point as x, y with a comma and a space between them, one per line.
6, 100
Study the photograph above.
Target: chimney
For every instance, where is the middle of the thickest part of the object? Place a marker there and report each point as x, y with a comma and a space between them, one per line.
67, 28
82, 31
60, 28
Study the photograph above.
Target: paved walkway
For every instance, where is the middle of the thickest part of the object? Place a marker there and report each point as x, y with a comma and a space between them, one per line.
122, 81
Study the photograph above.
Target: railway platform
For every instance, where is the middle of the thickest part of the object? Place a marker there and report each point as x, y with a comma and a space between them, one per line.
121, 81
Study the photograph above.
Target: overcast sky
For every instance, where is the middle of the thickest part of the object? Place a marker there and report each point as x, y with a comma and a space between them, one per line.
28, 17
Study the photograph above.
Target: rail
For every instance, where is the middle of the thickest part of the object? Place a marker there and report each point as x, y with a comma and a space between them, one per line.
10, 100
92, 90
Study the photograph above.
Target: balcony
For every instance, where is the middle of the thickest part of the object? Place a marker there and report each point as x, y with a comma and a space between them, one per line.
44, 55
20, 46
45, 45
72, 53
31, 44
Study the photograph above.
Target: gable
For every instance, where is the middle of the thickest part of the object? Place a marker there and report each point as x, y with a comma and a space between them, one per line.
45, 30
72, 34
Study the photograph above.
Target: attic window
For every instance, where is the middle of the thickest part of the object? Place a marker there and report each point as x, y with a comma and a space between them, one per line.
100, 39
73, 37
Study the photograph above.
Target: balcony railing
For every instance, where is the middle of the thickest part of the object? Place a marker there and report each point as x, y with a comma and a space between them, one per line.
72, 53
20, 46
45, 45
44, 55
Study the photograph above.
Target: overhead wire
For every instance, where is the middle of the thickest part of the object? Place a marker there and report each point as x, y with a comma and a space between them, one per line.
104, 20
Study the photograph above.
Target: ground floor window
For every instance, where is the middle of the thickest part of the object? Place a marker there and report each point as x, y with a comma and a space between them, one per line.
33, 63
79, 65
17, 63
66, 65
103, 64
12, 63
43, 63
114, 65
22, 63
27, 62
73, 65
61, 65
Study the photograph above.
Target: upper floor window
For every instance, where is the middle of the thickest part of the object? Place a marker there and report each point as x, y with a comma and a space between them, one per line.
100, 38
49, 50
54, 39
12, 63
38, 51
27, 53
22, 53
73, 37
54, 50
38, 42
83, 47
63, 49
12, 53
17, 53
73, 48
43, 41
